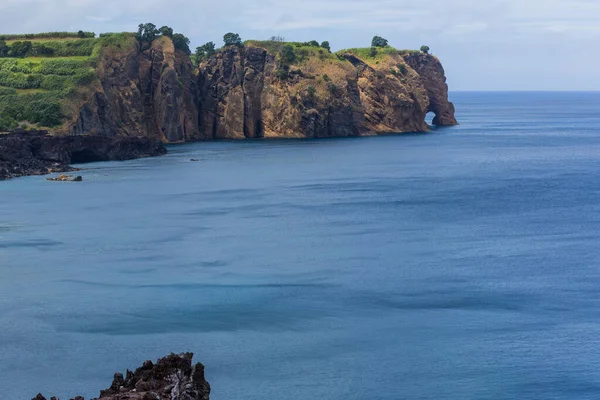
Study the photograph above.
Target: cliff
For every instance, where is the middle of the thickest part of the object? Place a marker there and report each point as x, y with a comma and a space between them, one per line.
250, 92
171, 378
117, 86
142, 91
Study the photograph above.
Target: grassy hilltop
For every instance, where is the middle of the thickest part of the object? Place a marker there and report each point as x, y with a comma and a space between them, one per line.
45, 77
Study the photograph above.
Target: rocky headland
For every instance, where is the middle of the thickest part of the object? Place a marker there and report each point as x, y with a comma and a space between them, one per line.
133, 92
172, 378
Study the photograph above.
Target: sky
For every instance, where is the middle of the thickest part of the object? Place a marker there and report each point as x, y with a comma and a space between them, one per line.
483, 44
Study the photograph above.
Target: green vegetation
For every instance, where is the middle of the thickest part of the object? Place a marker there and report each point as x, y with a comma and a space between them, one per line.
166, 31
232, 39
378, 41
47, 48
49, 35
42, 75
147, 32
182, 43
366, 53
425, 49
326, 46
205, 51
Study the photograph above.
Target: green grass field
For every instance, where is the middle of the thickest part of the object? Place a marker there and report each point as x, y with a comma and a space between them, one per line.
39, 90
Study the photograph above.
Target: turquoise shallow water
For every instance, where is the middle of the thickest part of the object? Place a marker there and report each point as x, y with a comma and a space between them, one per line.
461, 264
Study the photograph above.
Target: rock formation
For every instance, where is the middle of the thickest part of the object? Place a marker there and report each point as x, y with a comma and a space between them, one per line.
240, 92
171, 378
144, 90
242, 95
38, 153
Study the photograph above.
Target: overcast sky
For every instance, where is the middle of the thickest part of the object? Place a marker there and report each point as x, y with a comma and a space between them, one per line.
483, 44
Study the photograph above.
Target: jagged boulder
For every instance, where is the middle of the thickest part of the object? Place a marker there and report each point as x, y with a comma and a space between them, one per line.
172, 378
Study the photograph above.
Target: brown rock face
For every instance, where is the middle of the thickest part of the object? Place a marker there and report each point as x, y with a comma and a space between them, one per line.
144, 91
242, 95
171, 378
433, 78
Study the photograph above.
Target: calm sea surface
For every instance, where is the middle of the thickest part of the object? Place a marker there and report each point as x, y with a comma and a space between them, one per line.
460, 264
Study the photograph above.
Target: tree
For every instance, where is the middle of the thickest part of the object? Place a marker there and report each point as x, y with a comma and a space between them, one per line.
166, 31
313, 43
378, 41
326, 46
373, 51
147, 32
19, 49
278, 39
205, 51
232, 39
3, 48
182, 43
81, 34
287, 55
425, 49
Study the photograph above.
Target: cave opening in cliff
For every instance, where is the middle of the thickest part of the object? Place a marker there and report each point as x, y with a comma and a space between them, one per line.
429, 118
86, 156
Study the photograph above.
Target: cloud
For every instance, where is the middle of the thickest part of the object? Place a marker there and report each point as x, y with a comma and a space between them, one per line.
473, 29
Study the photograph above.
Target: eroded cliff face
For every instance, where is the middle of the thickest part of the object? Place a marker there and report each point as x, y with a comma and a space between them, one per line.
248, 92
142, 92
242, 95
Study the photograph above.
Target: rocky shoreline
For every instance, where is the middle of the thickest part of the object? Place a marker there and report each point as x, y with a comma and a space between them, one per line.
24, 153
172, 378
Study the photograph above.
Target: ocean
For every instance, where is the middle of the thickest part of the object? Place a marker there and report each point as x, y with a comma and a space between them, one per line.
459, 264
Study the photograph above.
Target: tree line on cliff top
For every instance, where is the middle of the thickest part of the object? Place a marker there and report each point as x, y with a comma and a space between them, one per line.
148, 32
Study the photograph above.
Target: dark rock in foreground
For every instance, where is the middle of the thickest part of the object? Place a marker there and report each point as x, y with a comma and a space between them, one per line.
171, 378
37, 153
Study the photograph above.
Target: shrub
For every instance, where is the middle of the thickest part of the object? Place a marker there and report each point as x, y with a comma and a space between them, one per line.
5, 91
402, 68
3, 48
7, 123
378, 41
147, 32
287, 55
205, 51
326, 78
373, 51
19, 49
332, 88
232, 39
311, 91
182, 43
49, 35
166, 31
283, 72
36, 108
425, 49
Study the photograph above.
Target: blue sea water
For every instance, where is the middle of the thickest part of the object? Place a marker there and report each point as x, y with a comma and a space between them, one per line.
459, 264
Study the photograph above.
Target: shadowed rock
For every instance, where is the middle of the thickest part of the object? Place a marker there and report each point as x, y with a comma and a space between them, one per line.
37, 153
171, 378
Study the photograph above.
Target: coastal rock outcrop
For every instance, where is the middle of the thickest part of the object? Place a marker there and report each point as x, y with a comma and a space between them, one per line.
38, 153
249, 92
172, 378
147, 90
